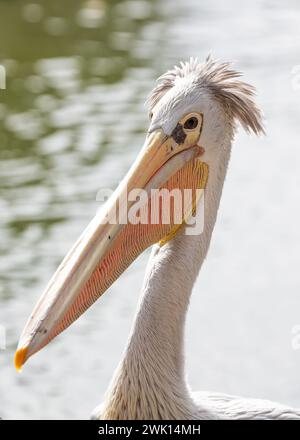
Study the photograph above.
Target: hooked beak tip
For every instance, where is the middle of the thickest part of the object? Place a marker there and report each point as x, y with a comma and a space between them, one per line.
20, 358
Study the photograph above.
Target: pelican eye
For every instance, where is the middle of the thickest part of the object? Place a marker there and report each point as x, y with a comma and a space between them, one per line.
191, 123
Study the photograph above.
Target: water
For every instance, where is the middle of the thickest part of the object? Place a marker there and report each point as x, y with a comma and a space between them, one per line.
72, 120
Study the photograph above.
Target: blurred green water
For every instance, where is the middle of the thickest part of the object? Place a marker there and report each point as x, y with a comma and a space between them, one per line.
72, 117
76, 73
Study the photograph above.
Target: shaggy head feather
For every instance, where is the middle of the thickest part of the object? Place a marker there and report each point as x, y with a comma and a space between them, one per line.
224, 85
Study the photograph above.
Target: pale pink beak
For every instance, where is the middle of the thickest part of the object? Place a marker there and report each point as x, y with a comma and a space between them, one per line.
105, 250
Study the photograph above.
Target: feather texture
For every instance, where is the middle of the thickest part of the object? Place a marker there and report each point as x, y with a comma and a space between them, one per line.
222, 82
241, 408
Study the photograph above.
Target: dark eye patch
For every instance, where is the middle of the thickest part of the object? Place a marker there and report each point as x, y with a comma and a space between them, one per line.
178, 134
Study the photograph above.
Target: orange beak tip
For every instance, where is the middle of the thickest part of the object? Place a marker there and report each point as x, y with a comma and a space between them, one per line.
20, 358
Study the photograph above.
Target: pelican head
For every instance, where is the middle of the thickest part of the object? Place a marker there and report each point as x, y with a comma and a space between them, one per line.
193, 111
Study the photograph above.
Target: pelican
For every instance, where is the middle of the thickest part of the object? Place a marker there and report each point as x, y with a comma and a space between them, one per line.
194, 110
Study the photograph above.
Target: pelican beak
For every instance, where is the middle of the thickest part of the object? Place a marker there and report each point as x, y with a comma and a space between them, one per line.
106, 248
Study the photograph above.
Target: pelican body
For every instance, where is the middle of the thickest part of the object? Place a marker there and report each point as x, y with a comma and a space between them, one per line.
194, 110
